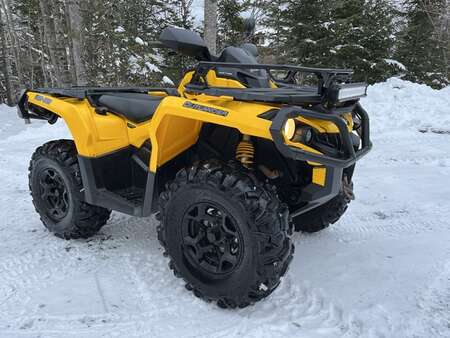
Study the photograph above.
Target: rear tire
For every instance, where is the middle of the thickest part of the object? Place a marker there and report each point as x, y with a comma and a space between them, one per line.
56, 189
326, 214
226, 234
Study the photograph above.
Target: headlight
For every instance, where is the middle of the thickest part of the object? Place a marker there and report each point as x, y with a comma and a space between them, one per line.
303, 135
289, 129
351, 93
348, 92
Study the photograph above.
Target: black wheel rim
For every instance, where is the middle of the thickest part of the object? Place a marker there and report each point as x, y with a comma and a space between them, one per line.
212, 241
54, 194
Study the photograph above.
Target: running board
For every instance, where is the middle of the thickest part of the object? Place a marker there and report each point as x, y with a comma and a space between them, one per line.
103, 183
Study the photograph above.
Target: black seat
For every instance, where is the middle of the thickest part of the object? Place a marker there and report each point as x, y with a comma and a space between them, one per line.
136, 107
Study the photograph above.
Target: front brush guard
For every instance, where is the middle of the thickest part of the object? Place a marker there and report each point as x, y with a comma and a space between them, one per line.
350, 156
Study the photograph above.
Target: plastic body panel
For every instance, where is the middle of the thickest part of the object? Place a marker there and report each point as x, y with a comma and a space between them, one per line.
94, 134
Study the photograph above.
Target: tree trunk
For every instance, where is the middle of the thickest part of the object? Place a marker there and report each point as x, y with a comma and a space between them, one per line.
13, 38
446, 38
210, 22
61, 44
54, 36
49, 36
6, 67
73, 74
42, 54
30, 57
76, 35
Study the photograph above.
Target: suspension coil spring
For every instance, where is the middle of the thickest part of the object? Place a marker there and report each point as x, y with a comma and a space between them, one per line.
245, 152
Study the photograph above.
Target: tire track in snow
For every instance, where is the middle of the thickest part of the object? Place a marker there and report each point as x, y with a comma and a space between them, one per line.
290, 300
292, 307
34, 271
49, 261
354, 227
296, 310
411, 148
295, 307
434, 305
398, 226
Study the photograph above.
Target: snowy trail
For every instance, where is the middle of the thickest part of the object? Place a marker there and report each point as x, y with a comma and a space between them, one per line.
382, 271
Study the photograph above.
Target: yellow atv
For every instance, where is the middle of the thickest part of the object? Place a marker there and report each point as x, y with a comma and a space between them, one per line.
229, 161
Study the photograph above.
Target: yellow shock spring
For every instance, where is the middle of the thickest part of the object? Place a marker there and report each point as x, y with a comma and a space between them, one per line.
245, 152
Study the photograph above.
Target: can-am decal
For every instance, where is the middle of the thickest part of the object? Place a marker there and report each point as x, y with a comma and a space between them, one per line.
206, 109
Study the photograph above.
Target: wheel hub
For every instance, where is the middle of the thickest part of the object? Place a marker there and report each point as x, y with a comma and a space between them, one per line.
54, 194
212, 241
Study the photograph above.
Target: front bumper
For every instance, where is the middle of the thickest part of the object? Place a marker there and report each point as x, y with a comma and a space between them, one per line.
349, 157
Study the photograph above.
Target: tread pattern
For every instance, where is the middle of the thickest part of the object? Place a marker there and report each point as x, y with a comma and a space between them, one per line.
323, 216
268, 221
87, 219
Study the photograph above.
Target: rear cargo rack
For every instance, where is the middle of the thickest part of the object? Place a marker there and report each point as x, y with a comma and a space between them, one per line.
81, 93
85, 92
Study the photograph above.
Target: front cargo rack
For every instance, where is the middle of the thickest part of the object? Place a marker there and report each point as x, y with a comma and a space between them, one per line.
285, 94
293, 96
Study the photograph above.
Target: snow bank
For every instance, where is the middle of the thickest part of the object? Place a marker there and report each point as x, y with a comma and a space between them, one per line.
402, 104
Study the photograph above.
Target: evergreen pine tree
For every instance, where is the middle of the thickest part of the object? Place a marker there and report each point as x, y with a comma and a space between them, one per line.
379, 40
118, 36
353, 34
309, 34
34, 54
276, 26
230, 23
424, 51
174, 65
362, 38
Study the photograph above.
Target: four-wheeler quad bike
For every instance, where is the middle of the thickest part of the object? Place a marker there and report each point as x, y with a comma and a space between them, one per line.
229, 161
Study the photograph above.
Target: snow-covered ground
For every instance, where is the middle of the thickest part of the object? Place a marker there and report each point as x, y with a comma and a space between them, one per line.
382, 271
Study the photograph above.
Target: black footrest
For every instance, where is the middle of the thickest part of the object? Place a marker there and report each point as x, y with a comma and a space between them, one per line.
132, 195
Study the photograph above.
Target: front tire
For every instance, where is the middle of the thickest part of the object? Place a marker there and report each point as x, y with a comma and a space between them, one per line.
56, 190
227, 235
